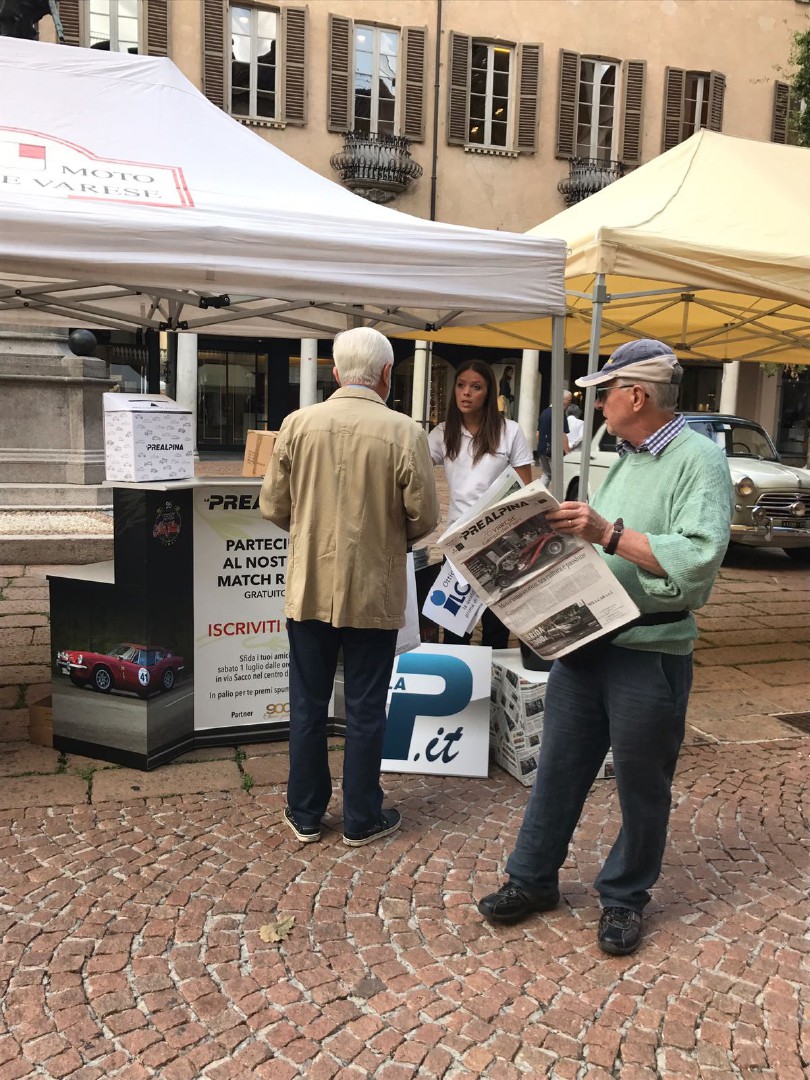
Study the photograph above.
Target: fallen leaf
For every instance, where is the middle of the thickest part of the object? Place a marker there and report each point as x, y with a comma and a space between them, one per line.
277, 931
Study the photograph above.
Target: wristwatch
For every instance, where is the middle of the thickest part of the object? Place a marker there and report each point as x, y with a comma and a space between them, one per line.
612, 544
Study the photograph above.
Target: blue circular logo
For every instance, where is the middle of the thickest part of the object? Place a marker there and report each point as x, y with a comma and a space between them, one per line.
438, 597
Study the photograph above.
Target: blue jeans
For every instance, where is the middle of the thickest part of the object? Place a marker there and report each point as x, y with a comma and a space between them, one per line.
368, 659
634, 702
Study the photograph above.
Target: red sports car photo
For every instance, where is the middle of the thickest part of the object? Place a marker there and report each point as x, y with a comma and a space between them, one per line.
140, 669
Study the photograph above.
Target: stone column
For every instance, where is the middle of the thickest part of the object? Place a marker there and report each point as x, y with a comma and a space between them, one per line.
529, 396
187, 391
729, 387
421, 381
308, 387
51, 416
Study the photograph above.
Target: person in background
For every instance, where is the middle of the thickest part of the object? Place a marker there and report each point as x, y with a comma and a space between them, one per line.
506, 396
475, 444
544, 447
352, 483
576, 426
662, 517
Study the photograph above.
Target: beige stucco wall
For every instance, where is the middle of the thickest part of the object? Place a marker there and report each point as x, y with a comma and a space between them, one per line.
748, 40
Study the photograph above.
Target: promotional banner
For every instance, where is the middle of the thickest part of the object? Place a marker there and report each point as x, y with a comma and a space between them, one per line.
451, 602
240, 641
438, 711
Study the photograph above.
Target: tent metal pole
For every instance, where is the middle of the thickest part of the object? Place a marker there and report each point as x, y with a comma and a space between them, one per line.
557, 378
598, 300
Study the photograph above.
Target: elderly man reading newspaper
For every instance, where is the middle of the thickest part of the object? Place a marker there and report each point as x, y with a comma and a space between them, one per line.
662, 520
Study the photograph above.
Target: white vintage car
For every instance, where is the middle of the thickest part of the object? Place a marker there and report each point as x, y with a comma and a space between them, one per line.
772, 505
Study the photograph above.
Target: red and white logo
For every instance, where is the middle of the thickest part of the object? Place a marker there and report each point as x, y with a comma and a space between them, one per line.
22, 155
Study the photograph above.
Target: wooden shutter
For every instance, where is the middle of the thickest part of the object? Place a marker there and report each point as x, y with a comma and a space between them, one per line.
458, 97
567, 104
294, 73
633, 114
717, 93
340, 114
214, 27
781, 105
156, 35
674, 84
414, 40
529, 61
71, 21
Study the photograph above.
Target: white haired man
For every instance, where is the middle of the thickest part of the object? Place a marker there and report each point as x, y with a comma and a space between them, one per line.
662, 517
353, 484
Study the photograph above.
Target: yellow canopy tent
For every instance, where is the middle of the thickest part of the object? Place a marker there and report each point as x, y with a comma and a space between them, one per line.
706, 247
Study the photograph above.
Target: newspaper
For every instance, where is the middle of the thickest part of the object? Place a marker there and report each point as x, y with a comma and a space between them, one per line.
554, 592
451, 602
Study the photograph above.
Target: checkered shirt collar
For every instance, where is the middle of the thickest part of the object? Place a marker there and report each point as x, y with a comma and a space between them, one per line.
656, 442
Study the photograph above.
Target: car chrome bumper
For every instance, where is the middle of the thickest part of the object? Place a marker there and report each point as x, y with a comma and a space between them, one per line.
775, 536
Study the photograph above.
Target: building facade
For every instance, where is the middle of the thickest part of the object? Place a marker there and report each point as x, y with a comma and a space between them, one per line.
492, 113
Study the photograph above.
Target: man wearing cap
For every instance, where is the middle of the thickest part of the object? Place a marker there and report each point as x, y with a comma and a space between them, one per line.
662, 519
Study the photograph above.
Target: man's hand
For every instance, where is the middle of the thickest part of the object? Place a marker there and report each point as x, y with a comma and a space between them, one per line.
580, 519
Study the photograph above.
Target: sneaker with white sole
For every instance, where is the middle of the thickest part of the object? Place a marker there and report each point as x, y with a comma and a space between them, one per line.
307, 834
390, 821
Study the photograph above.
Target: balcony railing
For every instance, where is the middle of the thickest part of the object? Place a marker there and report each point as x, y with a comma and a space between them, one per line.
587, 176
377, 167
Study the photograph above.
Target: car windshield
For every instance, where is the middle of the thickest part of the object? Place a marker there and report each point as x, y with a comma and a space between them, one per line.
739, 439
123, 652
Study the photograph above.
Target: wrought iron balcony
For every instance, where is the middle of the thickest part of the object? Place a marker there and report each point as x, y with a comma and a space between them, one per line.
587, 176
378, 167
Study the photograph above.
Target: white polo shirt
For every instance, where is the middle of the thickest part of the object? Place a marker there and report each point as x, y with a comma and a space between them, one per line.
468, 482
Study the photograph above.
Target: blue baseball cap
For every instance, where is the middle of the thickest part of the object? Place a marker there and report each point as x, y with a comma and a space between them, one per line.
646, 360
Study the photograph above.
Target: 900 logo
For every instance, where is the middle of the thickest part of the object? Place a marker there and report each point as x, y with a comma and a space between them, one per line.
277, 708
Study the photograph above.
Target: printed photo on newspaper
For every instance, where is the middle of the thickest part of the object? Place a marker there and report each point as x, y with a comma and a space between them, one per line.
554, 592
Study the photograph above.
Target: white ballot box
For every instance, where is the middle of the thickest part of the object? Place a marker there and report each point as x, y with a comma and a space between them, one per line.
517, 708
147, 437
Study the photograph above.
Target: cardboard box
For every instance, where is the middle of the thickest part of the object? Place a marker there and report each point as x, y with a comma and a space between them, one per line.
40, 722
147, 437
258, 451
517, 708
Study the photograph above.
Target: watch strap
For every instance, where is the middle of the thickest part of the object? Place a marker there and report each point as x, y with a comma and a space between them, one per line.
613, 542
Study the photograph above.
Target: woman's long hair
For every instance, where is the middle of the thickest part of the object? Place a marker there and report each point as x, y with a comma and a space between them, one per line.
488, 437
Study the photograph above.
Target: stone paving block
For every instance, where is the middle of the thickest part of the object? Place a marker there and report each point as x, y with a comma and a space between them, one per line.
755, 654
23, 674
121, 785
19, 792
778, 674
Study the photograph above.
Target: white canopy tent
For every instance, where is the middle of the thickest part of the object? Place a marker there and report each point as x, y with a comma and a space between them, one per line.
128, 200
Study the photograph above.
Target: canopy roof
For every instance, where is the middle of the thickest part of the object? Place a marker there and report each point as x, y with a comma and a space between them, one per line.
706, 247
128, 200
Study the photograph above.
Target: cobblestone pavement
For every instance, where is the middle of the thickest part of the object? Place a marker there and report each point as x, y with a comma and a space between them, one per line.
131, 904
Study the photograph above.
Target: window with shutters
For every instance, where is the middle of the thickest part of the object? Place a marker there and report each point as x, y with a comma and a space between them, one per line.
596, 108
113, 25
601, 108
491, 69
376, 78
493, 95
376, 52
788, 109
692, 100
254, 62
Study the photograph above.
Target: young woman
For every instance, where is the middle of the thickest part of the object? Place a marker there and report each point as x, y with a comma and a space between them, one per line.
475, 444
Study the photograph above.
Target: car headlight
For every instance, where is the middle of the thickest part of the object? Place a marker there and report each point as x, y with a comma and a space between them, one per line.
79, 658
745, 486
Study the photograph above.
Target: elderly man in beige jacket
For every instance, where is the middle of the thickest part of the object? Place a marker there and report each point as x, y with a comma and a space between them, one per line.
353, 484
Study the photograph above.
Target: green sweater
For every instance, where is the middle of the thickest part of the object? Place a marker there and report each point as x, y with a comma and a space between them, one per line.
682, 501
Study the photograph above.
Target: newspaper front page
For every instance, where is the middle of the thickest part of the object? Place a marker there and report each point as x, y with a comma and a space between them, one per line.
554, 592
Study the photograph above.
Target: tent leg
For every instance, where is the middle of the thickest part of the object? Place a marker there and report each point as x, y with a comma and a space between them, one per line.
557, 379
598, 301
529, 396
308, 387
729, 388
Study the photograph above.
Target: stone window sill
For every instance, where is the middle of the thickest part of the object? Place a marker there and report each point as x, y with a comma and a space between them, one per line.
492, 151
